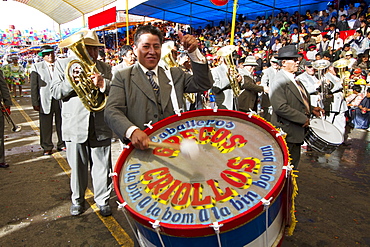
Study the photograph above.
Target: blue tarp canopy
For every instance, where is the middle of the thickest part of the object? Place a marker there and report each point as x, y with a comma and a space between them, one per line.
203, 12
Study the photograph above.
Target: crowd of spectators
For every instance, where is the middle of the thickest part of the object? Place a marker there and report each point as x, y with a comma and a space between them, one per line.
318, 34
333, 33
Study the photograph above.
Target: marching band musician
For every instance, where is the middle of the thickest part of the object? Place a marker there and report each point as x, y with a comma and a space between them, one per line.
311, 83
290, 103
248, 99
338, 105
87, 136
7, 102
43, 102
221, 88
193, 101
141, 94
170, 59
267, 77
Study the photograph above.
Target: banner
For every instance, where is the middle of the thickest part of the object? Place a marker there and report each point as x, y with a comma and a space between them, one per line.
103, 18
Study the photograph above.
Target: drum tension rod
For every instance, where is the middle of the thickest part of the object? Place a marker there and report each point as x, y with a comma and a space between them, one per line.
266, 204
156, 226
216, 228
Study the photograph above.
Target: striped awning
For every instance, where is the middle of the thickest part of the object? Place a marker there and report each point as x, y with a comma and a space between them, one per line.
63, 11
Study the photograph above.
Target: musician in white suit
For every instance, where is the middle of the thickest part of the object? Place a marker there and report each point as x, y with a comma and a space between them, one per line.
311, 83
87, 136
43, 102
267, 77
338, 105
222, 88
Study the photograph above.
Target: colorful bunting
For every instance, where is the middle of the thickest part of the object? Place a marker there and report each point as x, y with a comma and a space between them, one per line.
12, 36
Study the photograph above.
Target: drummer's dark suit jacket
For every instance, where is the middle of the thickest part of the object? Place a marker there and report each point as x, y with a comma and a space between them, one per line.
132, 101
288, 108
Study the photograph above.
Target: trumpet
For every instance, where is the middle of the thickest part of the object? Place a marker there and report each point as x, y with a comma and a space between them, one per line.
15, 128
226, 52
341, 65
83, 86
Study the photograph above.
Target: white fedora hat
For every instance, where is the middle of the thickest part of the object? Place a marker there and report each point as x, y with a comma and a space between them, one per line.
250, 60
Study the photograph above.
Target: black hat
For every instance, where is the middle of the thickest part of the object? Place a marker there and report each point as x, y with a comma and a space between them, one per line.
286, 52
45, 49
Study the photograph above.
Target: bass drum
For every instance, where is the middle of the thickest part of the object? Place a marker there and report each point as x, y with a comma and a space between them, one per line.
323, 136
236, 192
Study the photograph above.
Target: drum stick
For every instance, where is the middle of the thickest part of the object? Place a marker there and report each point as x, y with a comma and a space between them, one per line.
323, 121
164, 145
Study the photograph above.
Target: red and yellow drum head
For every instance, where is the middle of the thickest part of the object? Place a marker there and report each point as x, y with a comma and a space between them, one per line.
240, 162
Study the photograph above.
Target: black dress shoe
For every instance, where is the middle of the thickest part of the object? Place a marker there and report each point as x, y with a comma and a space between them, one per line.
62, 149
4, 165
76, 209
105, 210
48, 152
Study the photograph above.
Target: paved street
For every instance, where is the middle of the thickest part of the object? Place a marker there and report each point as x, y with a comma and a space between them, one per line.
332, 208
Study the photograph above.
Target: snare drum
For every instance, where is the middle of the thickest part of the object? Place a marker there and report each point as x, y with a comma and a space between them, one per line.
323, 136
234, 193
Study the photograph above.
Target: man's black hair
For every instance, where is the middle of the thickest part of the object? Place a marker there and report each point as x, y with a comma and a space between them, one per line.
124, 49
147, 29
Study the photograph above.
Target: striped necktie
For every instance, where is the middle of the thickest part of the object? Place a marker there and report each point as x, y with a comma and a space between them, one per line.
304, 96
155, 86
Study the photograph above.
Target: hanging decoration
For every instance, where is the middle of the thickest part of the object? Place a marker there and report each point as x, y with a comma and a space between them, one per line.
219, 2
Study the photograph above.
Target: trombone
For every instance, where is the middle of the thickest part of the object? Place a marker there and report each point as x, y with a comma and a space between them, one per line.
15, 128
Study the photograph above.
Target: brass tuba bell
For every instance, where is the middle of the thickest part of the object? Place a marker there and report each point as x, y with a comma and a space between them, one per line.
81, 82
227, 53
169, 60
341, 65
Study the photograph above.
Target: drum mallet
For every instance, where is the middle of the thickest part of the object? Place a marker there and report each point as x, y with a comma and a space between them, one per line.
188, 147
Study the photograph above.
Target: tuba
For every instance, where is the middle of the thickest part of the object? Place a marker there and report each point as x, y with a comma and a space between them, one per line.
320, 65
82, 83
341, 65
166, 54
227, 53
